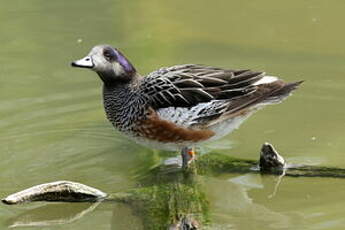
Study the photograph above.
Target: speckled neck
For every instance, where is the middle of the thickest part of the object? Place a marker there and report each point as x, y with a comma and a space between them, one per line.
110, 79
124, 106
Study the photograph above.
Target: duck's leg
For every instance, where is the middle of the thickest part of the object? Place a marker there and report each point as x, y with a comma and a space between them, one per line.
188, 156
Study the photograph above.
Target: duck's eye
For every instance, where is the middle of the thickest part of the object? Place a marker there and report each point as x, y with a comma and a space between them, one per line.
109, 54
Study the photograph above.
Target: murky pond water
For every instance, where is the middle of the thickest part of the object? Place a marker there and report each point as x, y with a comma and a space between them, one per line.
52, 124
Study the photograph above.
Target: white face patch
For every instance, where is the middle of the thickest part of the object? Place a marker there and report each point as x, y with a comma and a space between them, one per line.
100, 64
118, 69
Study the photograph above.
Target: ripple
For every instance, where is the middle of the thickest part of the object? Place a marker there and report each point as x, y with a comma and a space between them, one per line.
30, 113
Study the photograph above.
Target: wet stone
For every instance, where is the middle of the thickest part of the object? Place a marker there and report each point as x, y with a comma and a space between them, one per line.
270, 159
66, 191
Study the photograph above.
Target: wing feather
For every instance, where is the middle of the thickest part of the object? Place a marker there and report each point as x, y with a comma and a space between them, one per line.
187, 85
196, 95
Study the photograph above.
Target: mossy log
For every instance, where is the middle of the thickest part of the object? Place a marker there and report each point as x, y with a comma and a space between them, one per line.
168, 197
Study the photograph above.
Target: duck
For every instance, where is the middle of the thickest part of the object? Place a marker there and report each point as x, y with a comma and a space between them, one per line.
180, 107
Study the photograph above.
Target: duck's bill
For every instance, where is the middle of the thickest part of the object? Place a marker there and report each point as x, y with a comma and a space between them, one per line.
85, 62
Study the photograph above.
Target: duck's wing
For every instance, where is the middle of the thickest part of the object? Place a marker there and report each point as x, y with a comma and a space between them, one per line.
211, 91
190, 84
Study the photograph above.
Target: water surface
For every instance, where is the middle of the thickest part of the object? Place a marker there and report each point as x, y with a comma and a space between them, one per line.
52, 124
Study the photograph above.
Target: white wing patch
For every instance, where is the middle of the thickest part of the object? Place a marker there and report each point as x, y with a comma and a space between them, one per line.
188, 117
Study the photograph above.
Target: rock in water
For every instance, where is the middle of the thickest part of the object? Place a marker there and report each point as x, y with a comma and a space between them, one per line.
66, 191
270, 159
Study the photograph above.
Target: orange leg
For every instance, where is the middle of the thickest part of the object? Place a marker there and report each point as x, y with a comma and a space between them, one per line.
188, 156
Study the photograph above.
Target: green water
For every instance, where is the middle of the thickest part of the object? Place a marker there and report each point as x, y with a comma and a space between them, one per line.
52, 124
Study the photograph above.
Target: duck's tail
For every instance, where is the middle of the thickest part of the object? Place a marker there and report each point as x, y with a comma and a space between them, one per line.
282, 92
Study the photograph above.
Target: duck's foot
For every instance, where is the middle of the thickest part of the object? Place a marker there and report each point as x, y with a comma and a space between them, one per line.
188, 156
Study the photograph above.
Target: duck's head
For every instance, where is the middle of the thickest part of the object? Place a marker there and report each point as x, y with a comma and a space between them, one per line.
109, 63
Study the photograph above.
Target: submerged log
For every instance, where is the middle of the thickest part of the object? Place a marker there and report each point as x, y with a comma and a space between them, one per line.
168, 197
